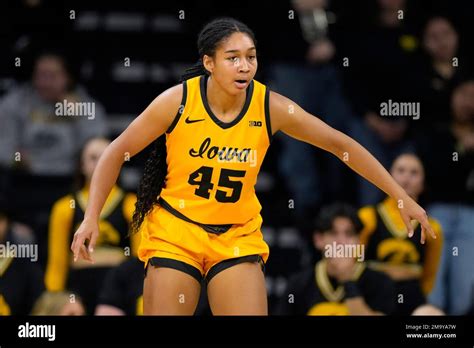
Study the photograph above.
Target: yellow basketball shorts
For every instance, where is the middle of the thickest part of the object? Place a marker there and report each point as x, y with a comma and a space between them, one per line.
168, 241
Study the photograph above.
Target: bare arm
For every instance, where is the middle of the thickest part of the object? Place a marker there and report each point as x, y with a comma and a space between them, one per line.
290, 118
148, 126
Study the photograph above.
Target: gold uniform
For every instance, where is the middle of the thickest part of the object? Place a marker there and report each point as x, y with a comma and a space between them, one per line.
208, 211
387, 243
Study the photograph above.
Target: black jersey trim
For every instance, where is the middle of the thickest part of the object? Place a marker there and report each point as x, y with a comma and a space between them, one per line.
224, 125
223, 265
267, 114
180, 109
176, 264
216, 229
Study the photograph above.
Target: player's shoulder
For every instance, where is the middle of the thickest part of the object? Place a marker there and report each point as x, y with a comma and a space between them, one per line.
280, 107
167, 104
174, 93
278, 101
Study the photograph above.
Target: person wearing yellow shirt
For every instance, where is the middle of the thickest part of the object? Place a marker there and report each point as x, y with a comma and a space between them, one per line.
411, 265
113, 245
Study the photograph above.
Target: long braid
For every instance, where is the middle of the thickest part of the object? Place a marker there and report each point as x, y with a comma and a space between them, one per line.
151, 183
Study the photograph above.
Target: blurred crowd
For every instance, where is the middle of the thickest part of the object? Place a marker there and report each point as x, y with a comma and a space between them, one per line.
397, 76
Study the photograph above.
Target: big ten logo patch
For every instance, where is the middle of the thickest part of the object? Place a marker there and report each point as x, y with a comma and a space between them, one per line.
255, 123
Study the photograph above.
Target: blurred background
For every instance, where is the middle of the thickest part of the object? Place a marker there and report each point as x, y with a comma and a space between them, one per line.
340, 60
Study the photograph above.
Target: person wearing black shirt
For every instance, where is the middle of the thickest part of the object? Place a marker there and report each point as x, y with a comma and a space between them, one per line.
21, 279
449, 158
341, 283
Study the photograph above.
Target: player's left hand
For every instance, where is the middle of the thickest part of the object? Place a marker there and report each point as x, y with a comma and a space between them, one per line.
410, 210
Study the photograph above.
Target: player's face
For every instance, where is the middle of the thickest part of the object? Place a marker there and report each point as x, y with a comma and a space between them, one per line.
408, 172
234, 64
90, 156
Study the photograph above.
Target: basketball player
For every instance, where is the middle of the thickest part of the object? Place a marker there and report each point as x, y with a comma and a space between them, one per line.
197, 210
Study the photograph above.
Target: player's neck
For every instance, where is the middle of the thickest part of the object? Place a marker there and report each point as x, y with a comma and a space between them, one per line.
225, 105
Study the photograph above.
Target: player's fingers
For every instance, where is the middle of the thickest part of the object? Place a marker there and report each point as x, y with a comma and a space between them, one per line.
84, 253
423, 234
426, 224
76, 246
407, 221
92, 242
74, 239
73, 242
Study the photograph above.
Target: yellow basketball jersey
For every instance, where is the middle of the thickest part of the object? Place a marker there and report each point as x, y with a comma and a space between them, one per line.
213, 165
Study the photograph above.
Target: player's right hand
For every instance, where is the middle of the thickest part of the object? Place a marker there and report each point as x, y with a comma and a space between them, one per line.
84, 240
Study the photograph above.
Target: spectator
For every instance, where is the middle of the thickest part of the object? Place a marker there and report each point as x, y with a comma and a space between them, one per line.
411, 265
21, 279
122, 290
450, 168
381, 63
45, 121
443, 69
338, 284
113, 244
58, 303
311, 79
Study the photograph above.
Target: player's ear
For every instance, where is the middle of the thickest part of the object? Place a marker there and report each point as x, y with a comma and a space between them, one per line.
208, 63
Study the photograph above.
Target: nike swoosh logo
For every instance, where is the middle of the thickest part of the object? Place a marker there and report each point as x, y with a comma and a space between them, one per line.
192, 121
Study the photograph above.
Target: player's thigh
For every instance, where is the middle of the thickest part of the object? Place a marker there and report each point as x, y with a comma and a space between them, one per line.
168, 291
238, 290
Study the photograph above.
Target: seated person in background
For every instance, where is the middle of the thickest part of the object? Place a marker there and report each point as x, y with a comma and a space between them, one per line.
113, 244
21, 279
58, 303
41, 131
339, 284
122, 291
411, 265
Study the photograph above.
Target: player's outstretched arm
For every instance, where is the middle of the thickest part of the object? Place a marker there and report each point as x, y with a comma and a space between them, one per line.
148, 126
290, 118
